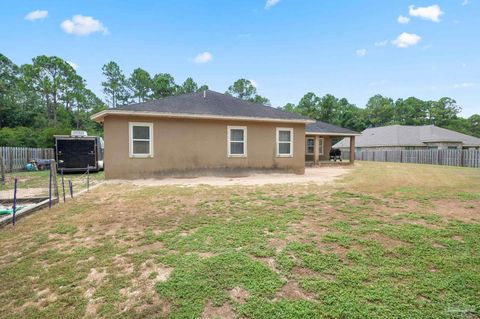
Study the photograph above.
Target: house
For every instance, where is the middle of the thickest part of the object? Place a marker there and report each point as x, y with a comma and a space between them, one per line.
202, 133
319, 138
403, 137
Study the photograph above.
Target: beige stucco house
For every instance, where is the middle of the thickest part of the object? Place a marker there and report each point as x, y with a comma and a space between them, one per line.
202, 133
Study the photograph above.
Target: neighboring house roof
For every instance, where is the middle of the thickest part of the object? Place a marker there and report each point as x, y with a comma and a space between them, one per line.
322, 128
402, 135
205, 104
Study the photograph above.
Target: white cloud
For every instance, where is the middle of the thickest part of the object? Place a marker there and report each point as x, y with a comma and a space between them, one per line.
431, 13
203, 58
403, 20
271, 3
83, 25
36, 15
361, 52
381, 43
465, 85
466, 2
405, 40
254, 83
73, 65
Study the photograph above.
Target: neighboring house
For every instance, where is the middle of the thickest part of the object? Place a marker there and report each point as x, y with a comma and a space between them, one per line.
402, 137
203, 133
319, 139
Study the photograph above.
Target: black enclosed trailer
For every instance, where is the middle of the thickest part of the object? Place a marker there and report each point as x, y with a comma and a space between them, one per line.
78, 152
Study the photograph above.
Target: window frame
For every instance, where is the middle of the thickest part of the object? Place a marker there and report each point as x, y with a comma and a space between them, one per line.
321, 150
229, 141
131, 139
278, 130
306, 145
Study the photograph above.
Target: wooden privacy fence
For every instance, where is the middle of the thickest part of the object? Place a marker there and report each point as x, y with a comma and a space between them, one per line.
466, 158
15, 158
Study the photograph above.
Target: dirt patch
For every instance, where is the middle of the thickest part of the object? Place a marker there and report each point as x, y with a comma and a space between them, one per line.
206, 254
458, 210
458, 238
386, 241
278, 244
24, 193
123, 264
292, 290
141, 294
317, 175
238, 294
94, 279
225, 311
157, 246
304, 272
43, 299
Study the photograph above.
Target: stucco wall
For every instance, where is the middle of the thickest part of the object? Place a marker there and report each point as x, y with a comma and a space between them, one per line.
184, 147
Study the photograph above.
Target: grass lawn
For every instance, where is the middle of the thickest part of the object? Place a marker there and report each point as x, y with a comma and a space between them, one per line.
387, 241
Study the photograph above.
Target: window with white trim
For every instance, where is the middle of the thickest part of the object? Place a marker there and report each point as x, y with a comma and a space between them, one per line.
310, 146
320, 145
284, 142
237, 141
141, 139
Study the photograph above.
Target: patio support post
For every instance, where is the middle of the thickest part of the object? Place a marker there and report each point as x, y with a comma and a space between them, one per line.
352, 149
316, 151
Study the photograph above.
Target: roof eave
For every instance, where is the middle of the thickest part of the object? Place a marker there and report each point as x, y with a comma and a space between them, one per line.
332, 134
99, 117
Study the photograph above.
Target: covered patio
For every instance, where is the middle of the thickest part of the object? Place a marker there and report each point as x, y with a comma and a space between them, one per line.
319, 138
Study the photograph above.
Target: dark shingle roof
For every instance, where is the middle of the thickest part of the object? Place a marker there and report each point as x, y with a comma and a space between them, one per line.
322, 127
214, 103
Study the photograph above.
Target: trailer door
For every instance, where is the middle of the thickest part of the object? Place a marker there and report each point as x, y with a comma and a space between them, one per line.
77, 153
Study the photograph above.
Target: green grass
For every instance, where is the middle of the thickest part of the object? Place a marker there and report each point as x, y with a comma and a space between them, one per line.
383, 249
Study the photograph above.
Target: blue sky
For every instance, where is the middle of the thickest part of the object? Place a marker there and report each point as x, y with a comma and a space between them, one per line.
348, 48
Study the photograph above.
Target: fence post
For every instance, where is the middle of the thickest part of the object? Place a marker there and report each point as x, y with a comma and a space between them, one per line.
63, 187
71, 187
11, 158
14, 201
2, 168
50, 188
88, 178
55, 182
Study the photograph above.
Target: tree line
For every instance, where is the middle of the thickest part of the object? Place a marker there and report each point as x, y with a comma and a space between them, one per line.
48, 97
382, 111
141, 86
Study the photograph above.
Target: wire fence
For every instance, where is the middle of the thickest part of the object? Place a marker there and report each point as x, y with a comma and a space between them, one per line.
450, 157
22, 193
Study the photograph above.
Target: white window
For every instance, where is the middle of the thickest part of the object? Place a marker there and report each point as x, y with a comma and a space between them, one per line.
310, 146
141, 139
237, 141
320, 145
284, 142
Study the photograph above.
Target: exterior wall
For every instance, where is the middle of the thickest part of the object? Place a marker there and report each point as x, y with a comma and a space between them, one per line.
190, 147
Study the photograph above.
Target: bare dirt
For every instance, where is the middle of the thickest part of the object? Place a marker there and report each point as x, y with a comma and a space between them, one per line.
317, 175
225, 311
24, 193
467, 212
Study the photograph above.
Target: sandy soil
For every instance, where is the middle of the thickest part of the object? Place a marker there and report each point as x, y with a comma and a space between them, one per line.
24, 193
316, 175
